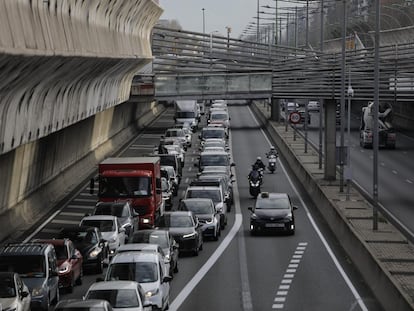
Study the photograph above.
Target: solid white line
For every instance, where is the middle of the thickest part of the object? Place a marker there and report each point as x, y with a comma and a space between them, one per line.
321, 237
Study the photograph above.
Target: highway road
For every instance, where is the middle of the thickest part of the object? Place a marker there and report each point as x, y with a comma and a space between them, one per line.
306, 271
395, 170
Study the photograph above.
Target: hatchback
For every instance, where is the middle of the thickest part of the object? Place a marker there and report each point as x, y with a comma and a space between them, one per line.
122, 295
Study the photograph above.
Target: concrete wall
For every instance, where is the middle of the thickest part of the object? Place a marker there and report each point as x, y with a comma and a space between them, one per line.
36, 175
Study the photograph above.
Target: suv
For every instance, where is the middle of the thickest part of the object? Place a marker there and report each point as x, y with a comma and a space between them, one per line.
214, 193
36, 264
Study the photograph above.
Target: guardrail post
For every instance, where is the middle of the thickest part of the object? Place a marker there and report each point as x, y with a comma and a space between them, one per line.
330, 140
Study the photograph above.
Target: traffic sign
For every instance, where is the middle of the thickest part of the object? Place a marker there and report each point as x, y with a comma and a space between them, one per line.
294, 117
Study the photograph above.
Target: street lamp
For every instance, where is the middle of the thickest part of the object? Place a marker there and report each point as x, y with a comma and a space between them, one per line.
204, 21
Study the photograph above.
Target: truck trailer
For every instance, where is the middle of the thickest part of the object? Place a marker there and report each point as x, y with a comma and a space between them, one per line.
136, 180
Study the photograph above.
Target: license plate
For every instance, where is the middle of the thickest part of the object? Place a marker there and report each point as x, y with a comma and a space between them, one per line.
275, 225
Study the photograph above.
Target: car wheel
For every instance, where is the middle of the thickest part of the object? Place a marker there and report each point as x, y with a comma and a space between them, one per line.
201, 246
196, 251
79, 280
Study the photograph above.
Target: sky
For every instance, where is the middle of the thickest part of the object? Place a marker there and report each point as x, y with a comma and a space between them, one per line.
218, 14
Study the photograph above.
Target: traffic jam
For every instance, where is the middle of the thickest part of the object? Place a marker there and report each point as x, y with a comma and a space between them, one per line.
141, 223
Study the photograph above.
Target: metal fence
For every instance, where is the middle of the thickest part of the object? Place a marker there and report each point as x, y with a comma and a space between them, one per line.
297, 73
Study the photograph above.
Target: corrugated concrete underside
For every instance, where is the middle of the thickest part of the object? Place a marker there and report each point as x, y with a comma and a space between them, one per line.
64, 61
36, 175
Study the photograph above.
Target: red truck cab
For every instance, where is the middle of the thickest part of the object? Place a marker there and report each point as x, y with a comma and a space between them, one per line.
136, 180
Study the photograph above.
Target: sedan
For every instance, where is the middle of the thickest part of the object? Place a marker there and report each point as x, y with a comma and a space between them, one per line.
69, 261
127, 216
207, 215
91, 244
110, 228
122, 295
272, 212
185, 228
14, 294
164, 239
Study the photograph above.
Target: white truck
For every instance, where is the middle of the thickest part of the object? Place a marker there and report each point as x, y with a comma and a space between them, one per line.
187, 112
386, 131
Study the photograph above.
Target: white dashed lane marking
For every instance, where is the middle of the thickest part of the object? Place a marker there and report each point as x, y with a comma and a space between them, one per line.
394, 172
288, 277
409, 181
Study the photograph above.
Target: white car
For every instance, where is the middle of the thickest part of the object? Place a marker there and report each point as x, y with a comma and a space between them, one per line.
122, 295
148, 269
110, 228
313, 105
176, 149
14, 294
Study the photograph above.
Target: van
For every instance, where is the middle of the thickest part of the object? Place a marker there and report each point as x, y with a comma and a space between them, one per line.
36, 264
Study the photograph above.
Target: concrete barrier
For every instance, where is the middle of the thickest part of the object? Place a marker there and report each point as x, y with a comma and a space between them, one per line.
384, 257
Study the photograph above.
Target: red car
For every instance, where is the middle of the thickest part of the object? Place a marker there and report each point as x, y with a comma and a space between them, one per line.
69, 261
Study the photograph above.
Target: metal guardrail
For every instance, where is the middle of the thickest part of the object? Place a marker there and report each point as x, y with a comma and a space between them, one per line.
297, 73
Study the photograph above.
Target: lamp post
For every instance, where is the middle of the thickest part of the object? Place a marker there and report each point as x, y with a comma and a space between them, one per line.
257, 22
321, 102
342, 89
204, 21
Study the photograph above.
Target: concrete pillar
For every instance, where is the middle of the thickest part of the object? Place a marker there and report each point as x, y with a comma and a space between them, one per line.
330, 140
275, 109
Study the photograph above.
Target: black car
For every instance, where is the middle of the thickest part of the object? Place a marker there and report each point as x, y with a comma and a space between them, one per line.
89, 241
185, 228
272, 212
162, 238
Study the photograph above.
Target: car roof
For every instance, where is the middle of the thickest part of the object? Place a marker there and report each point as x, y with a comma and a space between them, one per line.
52, 241
196, 199
271, 195
118, 203
203, 188
179, 213
78, 229
120, 285
213, 152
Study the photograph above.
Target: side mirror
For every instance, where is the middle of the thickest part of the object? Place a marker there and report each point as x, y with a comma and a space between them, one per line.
162, 136
166, 279
250, 208
233, 164
24, 294
295, 207
195, 164
91, 185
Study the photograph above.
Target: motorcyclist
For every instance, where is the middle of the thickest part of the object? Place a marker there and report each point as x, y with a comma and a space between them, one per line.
259, 163
254, 173
272, 151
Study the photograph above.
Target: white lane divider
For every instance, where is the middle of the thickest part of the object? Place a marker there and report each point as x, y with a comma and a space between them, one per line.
288, 277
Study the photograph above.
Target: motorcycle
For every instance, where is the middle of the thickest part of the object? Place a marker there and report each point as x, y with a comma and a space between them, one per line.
254, 186
272, 163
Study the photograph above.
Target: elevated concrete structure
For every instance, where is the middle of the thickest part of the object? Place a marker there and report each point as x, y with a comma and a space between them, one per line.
66, 68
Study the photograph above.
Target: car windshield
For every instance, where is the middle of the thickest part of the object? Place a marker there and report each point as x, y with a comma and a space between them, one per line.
197, 207
124, 187
142, 272
174, 133
158, 238
273, 203
176, 221
212, 194
112, 210
219, 117
7, 289
25, 266
61, 252
103, 225
213, 133
185, 114
80, 237
214, 160
126, 298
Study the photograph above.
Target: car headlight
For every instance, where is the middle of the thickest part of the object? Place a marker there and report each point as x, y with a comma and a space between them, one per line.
210, 221
288, 217
189, 235
37, 291
64, 268
152, 293
253, 216
145, 220
94, 253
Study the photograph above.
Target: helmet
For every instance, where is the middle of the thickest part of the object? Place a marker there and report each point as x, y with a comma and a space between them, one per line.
272, 148
259, 158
